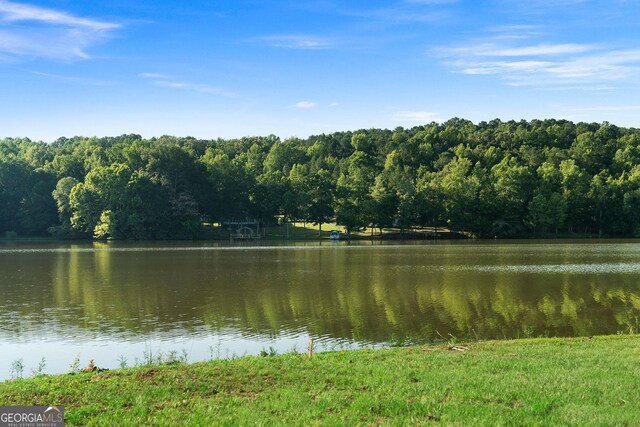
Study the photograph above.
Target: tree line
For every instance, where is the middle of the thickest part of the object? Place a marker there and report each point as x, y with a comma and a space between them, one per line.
487, 179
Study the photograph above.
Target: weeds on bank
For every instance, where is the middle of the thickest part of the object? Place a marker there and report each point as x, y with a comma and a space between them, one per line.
122, 362
17, 368
39, 370
75, 364
268, 353
152, 358
149, 358
555, 381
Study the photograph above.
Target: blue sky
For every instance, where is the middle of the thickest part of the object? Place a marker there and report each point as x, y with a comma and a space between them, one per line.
222, 68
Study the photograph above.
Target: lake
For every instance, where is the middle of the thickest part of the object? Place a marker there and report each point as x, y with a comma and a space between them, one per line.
132, 301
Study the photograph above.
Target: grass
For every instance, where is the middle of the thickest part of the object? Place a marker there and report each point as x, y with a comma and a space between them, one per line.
309, 231
302, 231
541, 381
294, 231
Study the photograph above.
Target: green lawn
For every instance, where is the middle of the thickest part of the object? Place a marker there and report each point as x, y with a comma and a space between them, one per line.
302, 231
522, 382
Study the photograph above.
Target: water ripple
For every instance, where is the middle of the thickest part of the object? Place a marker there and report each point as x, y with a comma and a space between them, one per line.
604, 268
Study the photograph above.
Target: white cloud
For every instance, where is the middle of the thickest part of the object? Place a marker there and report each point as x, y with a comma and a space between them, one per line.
162, 80
595, 88
565, 66
503, 67
511, 32
610, 108
153, 76
402, 15
53, 34
431, 2
493, 49
86, 81
414, 116
543, 5
305, 104
303, 42
509, 28
13, 12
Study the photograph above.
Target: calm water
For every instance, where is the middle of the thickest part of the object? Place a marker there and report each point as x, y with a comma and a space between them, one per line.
124, 300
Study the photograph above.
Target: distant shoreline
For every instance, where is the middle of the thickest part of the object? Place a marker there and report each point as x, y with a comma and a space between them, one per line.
447, 236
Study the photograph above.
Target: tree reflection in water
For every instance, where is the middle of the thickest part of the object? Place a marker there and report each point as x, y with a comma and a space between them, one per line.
356, 293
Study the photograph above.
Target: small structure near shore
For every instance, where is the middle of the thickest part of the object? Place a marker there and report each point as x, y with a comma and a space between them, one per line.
245, 233
247, 229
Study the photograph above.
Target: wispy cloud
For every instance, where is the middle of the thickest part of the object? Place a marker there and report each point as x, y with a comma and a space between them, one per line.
527, 62
305, 104
382, 14
543, 49
86, 81
603, 88
367, 22
13, 12
154, 76
162, 80
407, 14
431, 2
297, 41
510, 28
610, 108
414, 116
549, 10
541, 6
28, 31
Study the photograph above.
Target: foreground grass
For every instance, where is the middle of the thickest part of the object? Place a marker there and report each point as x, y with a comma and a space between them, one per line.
522, 382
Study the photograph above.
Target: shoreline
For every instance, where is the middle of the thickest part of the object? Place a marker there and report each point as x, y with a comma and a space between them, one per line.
327, 239
550, 381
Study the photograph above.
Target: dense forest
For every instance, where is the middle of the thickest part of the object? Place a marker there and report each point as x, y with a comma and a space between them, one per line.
488, 179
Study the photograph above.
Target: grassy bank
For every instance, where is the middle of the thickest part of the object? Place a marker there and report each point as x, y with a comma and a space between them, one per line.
523, 382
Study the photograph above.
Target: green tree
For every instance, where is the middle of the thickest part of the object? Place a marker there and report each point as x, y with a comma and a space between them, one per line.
460, 189
61, 195
320, 195
547, 212
575, 186
512, 185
